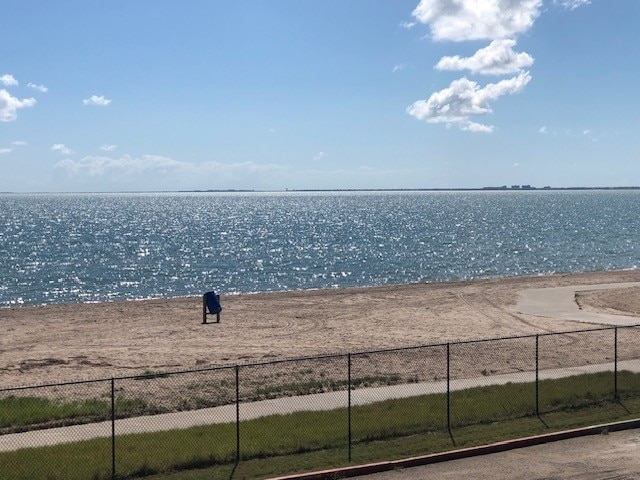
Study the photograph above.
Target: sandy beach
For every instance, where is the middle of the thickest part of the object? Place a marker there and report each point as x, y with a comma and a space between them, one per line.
83, 341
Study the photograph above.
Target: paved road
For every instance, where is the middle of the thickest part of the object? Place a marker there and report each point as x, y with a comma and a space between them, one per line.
559, 302
599, 457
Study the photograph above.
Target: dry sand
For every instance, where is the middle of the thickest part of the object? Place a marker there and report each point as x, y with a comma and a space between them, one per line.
80, 341
623, 301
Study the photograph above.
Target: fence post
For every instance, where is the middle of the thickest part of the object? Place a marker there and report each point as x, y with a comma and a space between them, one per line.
349, 402
537, 375
615, 363
113, 428
449, 387
237, 414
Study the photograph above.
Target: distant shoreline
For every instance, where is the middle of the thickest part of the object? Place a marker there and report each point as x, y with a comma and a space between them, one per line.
524, 188
504, 188
513, 188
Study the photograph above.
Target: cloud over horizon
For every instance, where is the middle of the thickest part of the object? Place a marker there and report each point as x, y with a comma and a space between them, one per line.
94, 165
162, 173
124, 172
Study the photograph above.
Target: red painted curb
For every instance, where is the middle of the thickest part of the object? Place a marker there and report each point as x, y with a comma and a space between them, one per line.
357, 470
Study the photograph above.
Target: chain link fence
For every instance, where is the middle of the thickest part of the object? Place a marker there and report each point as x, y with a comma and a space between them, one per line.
160, 422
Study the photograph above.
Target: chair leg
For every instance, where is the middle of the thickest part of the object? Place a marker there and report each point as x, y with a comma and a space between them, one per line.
204, 310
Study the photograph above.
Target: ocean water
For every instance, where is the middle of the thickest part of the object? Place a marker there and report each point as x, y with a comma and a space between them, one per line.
61, 248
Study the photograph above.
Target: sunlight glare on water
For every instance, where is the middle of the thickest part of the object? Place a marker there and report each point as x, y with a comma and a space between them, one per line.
57, 248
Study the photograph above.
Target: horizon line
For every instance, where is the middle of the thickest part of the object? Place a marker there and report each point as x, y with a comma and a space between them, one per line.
504, 188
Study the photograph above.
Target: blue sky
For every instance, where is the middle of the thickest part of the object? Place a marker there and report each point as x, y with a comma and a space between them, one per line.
162, 95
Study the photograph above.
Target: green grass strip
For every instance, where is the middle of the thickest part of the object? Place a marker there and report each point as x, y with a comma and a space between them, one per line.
25, 413
304, 441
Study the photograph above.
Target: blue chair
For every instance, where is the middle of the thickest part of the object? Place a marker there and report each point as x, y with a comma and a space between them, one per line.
211, 302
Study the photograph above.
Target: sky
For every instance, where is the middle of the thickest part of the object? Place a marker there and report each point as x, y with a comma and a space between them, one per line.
152, 95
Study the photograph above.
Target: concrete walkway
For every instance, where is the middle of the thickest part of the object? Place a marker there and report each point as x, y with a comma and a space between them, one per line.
559, 302
281, 406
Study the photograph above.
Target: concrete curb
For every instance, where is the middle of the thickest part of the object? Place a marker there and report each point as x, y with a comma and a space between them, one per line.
357, 470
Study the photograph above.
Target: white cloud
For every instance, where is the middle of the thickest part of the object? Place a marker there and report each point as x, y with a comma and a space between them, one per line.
99, 101
407, 25
474, 127
319, 156
571, 4
397, 68
154, 172
5, 150
8, 80
460, 20
463, 99
92, 165
41, 88
19, 143
543, 129
98, 165
62, 148
108, 148
496, 59
9, 105
586, 132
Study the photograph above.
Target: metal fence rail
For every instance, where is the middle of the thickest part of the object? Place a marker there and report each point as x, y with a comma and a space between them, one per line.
135, 426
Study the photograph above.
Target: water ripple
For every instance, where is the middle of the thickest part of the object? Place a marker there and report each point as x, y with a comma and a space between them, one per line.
97, 247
